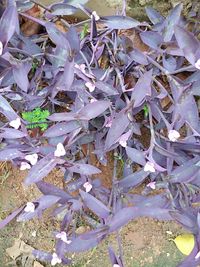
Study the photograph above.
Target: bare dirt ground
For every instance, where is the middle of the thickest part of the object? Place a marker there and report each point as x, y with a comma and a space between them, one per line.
146, 242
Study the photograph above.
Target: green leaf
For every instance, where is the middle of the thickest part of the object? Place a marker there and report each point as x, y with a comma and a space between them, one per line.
36, 118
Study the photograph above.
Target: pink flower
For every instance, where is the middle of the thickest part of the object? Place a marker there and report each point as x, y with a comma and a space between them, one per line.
152, 185
55, 259
96, 16
63, 237
173, 135
87, 187
1, 48
30, 207
108, 122
149, 167
81, 67
15, 123
124, 138
90, 86
60, 150
197, 64
93, 100
32, 158
197, 256
25, 166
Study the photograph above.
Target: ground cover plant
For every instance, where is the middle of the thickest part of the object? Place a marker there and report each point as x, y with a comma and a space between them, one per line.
90, 86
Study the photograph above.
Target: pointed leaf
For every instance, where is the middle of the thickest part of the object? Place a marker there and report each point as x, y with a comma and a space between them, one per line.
136, 155
63, 116
43, 203
61, 129
188, 43
9, 24
9, 154
152, 39
94, 109
133, 180
118, 126
142, 88
12, 133
41, 169
7, 110
20, 74
95, 205
56, 36
120, 22
81, 244
49, 189
170, 22
154, 16
8, 219
106, 88
84, 169
62, 9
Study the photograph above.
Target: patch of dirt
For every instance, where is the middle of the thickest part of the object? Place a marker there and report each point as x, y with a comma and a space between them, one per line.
145, 241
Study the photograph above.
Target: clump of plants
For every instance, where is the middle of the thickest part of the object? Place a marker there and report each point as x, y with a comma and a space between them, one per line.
101, 89
36, 118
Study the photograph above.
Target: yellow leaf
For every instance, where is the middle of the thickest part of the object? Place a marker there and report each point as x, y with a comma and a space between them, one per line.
185, 243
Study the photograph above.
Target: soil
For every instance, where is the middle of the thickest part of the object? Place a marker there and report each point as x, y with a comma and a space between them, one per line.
146, 242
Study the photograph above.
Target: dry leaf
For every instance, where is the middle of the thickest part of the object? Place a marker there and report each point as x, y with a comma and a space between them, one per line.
22, 252
185, 243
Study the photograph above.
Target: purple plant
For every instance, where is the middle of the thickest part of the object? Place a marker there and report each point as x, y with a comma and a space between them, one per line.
99, 107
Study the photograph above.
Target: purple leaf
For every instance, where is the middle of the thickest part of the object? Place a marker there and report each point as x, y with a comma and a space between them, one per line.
7, 110
63, 116
188, 43
41, 169
95, 205
152, 39
81, 244
185, 173
94, 109
8, 219
123, 216
138, 57
75, 3
61, 129
62, 9
154, 15
120, 22
113, 257
9, 154
9, 24
56, 36
169, 63
134, 179
188, 221
42, 255
187, 103
66, 79
136, 155
20, 74
40, 205
49, 189
106, 88
170, 22
73, 39
12, 133
142, 88
84, 169
118, 126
